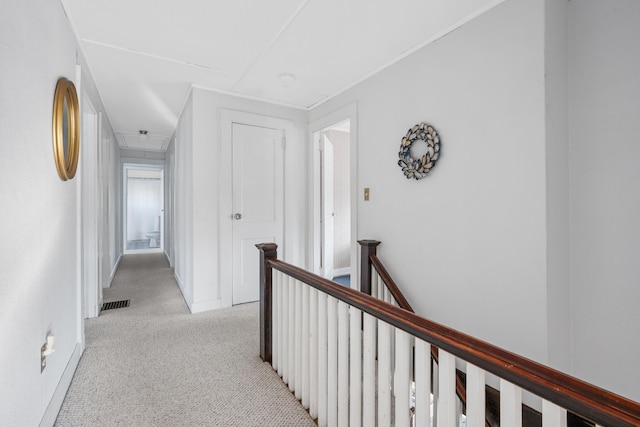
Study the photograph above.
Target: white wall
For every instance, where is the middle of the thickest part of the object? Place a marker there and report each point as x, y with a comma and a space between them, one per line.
557, 185
183, 194
467, 244
197, 216
605, 201
39, 267
113, 235
169, 201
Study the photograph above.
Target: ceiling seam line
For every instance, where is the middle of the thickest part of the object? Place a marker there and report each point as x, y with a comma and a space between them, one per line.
161, 58
271, 43
408, 52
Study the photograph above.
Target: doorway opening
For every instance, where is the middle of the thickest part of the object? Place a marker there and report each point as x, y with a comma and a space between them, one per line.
143, 208
333, 204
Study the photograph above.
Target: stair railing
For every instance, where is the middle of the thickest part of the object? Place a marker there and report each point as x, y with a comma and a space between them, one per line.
376, 281
322, 340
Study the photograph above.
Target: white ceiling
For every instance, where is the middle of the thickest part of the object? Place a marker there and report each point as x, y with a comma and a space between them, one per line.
146, 54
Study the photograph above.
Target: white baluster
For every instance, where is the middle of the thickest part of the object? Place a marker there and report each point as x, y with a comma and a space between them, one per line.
447, 389
553, 415
423, 383
374, 283
281, 308
298, 341
387, 294
510, 404
475, 396
384, 374
355, 368
322, 359
313, 353
369, 371
292, 334
402, 378
284, 346
436, 390
305, 346
275, 325
343, 364
332, 361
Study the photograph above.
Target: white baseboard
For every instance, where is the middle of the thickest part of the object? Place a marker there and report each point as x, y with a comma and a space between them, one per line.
50, 415
113, 272
200, 306
341, 271
185, 295
166, 254
197, 306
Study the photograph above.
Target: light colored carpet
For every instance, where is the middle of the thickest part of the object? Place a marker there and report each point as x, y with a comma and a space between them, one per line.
155, 364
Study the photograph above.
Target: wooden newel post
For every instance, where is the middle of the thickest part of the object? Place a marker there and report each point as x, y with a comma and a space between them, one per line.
367, 248
267, 251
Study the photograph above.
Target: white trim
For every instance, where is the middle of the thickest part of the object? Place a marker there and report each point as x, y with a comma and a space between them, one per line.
348, 112
250, 97
341, 271
142, 251
126, 166
79, 236
225, 260
166, 255
200, 306
51, 413
187, 296
90, 131
340, 115
197, 306
113, 272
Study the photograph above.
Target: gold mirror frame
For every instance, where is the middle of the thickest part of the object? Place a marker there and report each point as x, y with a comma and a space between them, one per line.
66, 116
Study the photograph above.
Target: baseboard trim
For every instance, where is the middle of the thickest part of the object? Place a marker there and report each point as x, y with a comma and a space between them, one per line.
197, 306
50, 415
200, 306
341, 271
113, 272
185, 295
166, 254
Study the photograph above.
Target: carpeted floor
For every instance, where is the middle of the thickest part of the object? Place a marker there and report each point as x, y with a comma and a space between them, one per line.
155, 364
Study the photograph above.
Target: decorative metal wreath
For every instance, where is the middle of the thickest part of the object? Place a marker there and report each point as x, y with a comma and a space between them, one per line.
419, 168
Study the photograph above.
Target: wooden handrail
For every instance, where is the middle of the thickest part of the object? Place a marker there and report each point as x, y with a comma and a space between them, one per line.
391, 285
586, 400
369, 252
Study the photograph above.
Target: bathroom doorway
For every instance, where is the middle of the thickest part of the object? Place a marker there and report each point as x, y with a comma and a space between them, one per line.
143, 208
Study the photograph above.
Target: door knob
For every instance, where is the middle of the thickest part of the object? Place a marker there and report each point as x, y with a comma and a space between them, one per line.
238, 216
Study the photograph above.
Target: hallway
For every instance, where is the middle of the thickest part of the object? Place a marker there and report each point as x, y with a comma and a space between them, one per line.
155, 364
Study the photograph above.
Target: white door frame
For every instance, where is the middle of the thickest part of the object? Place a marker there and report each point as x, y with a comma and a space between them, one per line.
349, 112
90, 194
327, 206
141, 166
225, 192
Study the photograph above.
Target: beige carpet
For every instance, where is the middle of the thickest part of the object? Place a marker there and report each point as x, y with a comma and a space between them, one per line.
155, 364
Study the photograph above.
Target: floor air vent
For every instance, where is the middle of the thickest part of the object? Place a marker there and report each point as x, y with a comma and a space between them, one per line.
115, 304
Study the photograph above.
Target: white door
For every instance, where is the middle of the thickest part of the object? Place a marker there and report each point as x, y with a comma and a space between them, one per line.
258, 184
328, 208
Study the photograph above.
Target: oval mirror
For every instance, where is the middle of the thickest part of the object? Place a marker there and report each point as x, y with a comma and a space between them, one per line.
66, 129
